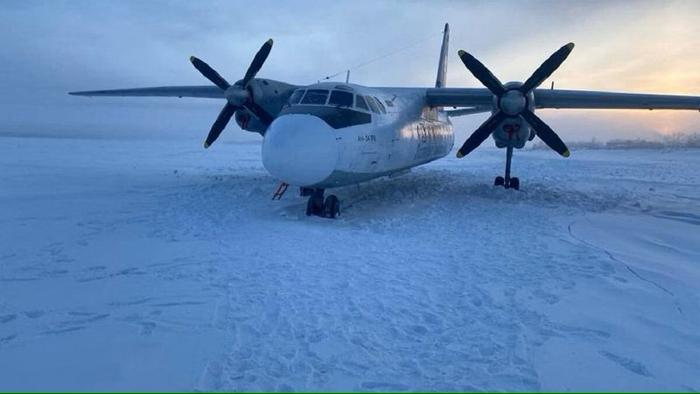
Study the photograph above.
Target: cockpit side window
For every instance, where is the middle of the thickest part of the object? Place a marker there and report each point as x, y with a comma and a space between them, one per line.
360, 103
372, 104
315, 96
381, 106
296, 96
340, 99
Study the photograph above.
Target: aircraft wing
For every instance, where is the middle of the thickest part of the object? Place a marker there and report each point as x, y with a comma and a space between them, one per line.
546, 98
468, 111
556, 98
161, 91
459, 97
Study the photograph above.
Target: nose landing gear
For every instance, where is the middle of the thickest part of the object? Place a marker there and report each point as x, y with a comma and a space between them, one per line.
507, 181
330, 208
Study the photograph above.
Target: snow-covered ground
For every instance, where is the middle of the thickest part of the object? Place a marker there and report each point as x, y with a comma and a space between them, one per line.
156, 265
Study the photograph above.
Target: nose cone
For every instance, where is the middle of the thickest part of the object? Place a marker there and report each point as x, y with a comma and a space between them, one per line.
299, 149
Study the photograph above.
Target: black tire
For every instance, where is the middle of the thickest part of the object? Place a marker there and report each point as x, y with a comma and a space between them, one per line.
515, 183
332, 206
314, 206
499, 181
310, 207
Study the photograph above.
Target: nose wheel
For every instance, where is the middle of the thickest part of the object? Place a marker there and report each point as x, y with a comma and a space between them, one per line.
508, 182
513, 183
330, 208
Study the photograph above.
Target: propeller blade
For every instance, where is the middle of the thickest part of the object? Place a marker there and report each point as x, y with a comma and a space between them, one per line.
220, 124
481, 134
482, 73
209, 73
257, 62
259, 112
547, 68
546, 133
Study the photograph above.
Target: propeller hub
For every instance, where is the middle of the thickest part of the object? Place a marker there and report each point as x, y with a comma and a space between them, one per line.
236, 95
513, 102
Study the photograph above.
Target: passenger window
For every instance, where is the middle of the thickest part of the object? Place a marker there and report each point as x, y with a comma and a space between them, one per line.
296, 96
315, 96
381, 106
372, 104
360, 103
340, 99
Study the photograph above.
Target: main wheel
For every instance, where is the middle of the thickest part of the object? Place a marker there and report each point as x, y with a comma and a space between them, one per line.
332, 206
515, 183
499, 181
314, 206
310, 207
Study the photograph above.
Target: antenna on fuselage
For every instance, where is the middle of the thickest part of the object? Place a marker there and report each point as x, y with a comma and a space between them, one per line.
378, 58
347, 77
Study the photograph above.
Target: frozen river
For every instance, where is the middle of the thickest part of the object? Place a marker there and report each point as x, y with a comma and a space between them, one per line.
132, 265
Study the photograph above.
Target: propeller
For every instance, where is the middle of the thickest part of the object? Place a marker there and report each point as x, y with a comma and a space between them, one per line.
238, 96
513, 102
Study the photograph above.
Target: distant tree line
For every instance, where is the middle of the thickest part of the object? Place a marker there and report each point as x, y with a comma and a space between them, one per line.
671, 141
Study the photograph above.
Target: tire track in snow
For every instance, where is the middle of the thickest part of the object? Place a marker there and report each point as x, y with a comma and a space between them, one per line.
627, 266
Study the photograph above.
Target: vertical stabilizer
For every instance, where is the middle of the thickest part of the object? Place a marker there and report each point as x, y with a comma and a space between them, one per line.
442, 66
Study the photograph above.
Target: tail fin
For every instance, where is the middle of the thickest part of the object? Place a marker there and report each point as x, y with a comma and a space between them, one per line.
442, 66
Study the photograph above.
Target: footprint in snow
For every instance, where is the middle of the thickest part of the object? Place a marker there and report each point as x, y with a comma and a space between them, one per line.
147, 328
384, 386
63, 330
7, 318
7, 339
627, 363
34, 314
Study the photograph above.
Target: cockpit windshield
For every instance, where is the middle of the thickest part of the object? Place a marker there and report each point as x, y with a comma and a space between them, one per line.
361, 103
372, 104
296, 96
340, 99
315, 96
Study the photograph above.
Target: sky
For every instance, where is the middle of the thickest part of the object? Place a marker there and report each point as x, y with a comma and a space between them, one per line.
52, 47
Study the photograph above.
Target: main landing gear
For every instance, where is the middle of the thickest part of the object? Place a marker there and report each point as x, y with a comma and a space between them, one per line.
330, 208
507, 181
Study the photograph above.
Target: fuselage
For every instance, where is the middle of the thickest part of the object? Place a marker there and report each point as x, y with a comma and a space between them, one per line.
335, 134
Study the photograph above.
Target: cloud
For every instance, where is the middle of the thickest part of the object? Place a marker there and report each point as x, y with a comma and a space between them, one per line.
51, 47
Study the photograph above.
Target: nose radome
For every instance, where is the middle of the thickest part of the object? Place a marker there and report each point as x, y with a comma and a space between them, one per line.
299, 149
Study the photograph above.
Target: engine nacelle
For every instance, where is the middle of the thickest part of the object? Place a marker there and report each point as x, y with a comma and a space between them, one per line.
249, 122
270, 95
514, 130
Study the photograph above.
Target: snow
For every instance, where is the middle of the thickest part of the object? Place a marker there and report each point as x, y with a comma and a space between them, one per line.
136, 264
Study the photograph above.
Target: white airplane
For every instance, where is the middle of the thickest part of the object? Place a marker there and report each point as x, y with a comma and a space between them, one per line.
334, 134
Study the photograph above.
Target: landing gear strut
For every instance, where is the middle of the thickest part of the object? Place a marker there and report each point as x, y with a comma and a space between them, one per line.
507, 181
330, 208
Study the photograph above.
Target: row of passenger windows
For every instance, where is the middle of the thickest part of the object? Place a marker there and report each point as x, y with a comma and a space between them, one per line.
338, 98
